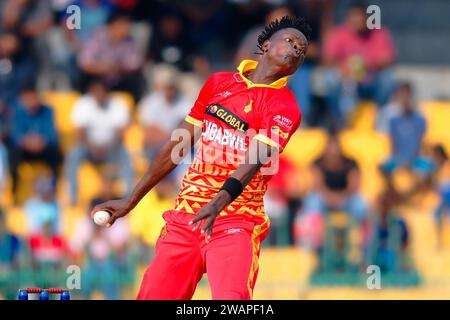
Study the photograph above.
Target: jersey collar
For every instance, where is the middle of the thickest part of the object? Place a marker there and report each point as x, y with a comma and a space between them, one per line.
247, 65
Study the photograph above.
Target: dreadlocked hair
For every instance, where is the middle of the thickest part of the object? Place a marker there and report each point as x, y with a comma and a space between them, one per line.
286, 22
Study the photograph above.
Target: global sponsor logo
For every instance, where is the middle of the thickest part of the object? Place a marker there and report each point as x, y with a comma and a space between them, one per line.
227, 116
212, 109
283, 121
224, 137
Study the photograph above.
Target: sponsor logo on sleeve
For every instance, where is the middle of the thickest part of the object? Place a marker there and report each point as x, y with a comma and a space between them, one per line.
283, 122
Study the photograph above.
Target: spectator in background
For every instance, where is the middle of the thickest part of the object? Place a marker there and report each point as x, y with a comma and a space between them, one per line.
5, 118
12, 254
100, 120
42, 207
3, 150
205, 20
441, 181
3, 166
10, 247
33, 135
163, 109
118, 235
99, 269
16, 68
146, 224
402, 95
283, 189
104, 248
360, 60
112, 54
128, 6
85, 228
95, 15
320, 17
169, 42
48, 249
247, 48
389, 242
29, 19
336, 184
406, 131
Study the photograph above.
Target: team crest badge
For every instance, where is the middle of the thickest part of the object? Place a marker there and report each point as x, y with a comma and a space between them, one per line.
248, 107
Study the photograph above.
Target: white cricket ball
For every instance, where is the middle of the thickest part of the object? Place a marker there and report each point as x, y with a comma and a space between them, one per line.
101, 218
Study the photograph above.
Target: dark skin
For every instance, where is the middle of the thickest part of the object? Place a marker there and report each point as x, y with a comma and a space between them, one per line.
282, 56
333, 160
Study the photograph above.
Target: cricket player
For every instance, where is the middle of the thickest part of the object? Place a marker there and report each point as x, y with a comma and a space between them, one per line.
241, 120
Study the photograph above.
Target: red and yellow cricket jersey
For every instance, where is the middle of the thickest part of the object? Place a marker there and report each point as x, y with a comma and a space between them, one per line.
232, 111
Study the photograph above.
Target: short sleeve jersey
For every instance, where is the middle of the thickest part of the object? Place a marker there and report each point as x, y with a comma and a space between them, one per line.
232, 111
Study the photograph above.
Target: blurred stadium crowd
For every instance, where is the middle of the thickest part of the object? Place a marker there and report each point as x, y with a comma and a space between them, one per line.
83, 111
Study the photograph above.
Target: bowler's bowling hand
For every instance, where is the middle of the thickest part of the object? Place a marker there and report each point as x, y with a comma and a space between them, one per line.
117, 208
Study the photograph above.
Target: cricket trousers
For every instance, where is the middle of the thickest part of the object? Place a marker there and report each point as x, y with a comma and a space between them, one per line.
230, 259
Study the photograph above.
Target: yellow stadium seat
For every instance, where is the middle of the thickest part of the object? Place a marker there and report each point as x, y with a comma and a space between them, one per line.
16, 221
134, 143
364, 117
404, 180
305, 146
6, 196
28, 172
146, 219
134, 139
305, 179
437, 114
368, 148
89, 183
372, 182
296, 266
62, 104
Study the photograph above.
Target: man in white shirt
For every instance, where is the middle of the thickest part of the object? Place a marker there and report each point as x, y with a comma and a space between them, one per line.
162, 110
100, 121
